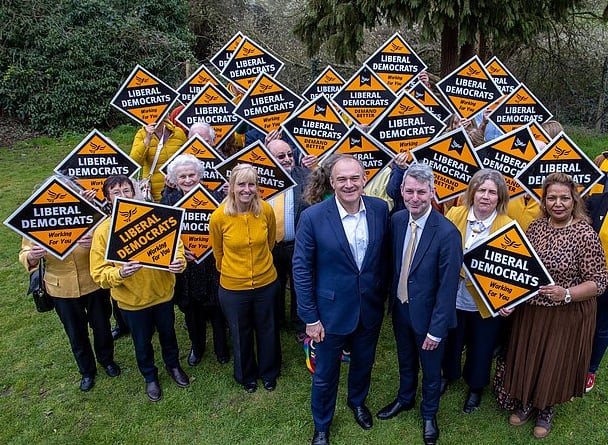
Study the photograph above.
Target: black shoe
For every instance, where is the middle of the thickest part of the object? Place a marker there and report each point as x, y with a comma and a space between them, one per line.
86, 383
472, 402
153, 391
250, 387
178, 375
320, 438
362, 416
394, 408
223, 359
112, 369
270, 385
194, 359
443, 386
430, 431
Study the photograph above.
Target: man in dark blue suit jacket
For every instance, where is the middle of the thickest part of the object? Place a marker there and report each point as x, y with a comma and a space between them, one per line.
424, 306
340, 275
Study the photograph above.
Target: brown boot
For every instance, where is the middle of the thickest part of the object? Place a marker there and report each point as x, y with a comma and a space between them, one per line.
521, 415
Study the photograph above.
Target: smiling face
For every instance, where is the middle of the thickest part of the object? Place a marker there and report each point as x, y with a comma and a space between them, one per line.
186, 177
559, 203
485, 199
348, 179
120, 191
282, 152
417, 196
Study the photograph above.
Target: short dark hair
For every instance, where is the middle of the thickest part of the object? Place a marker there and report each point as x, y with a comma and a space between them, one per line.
114, 180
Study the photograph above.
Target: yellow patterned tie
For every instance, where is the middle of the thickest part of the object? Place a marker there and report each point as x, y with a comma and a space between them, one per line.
279, 213
405, 266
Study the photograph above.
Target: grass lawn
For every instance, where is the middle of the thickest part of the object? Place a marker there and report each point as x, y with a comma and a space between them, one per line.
40, 401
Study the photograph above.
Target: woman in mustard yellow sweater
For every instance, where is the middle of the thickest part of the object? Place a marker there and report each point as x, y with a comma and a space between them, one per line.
242, 232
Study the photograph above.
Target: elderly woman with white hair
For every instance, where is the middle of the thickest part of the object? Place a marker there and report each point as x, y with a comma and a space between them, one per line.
196, 289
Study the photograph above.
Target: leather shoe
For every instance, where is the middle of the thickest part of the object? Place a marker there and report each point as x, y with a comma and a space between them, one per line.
178, 375
153, 391
362, 416
320, 438
430, 431
193, 359
270, 385
250, 387
393, 408
472, 402
86, 383
112, 369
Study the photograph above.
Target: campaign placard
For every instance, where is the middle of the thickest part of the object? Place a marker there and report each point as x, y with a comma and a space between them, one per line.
213, 107
328, 82
198, 205
316, 127
469, 88
364, 97
561, 155
426, 97
144, 97
453, 160
372, 154
273, 179
210, 159
248, 61
396, 63
538, 132
93, 160
221, 58
405, 125
505, 270
519, 108
55, 217
509, 154
197, 82
144, 231
503, 78
267, 104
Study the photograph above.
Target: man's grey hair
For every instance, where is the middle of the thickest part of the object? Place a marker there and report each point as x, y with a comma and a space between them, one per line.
420, 172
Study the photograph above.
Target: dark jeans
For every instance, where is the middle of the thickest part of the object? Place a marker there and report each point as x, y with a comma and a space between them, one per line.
76, 314
600, 340
282, 255
251, 318
142, 324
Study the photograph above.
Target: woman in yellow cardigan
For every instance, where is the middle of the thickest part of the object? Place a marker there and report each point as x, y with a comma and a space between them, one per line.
484, 211
153, 145
242, 232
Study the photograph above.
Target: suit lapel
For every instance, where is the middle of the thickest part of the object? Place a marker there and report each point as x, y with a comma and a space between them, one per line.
334, 221
371, 233
430, 228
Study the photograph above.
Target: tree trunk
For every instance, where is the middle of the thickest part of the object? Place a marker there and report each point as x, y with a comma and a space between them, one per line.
449, 50
467, 50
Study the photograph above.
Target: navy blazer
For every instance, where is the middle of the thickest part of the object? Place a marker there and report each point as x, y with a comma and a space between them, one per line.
434, 273
328, 283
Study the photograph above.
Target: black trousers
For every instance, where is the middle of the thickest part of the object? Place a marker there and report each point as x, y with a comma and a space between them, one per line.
76, 314
143, 323
196, 315
282, 255
251, 318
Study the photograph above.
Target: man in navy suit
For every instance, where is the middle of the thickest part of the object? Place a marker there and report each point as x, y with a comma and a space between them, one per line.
340, 274
423, 295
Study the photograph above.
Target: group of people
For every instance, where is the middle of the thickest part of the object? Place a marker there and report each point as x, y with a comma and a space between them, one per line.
342, 253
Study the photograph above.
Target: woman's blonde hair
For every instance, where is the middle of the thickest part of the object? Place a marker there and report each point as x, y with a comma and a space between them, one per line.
243, 173
481, 176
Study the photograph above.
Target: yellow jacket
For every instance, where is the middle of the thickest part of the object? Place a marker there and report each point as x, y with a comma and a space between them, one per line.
147, 287
458, 215
242, 247
144, 156
68, 278
523, 213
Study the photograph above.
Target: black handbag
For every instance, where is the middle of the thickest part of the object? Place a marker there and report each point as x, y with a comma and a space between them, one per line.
42, 300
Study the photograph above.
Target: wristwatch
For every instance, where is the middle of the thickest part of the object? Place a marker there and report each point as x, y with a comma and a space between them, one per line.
568, 297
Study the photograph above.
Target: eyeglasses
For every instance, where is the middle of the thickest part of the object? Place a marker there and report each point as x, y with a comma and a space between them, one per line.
282, 156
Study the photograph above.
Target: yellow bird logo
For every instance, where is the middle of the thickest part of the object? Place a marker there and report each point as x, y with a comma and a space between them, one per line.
560, 152
508, 242
257, 157
127, 215
199, 202
472, 71
140, 80
93, 147
54, 196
